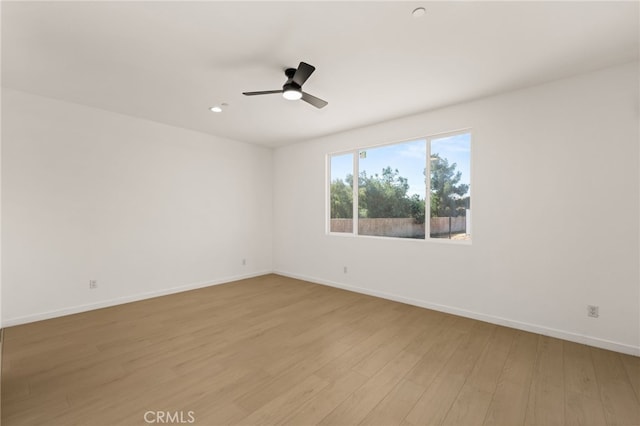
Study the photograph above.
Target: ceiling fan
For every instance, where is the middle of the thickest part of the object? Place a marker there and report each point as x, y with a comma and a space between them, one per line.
292, 89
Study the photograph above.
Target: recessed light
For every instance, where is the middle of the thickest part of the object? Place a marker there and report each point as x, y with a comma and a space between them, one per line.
418, 12
216, 108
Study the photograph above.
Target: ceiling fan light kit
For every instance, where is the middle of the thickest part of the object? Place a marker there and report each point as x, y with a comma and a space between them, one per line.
291, 93
292, 88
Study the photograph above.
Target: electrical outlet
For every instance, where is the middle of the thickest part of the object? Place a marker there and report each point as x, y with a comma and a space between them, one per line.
593, 311
244, 262
345, 270
93, 284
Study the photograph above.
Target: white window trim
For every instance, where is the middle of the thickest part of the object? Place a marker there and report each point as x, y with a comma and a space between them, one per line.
355, 187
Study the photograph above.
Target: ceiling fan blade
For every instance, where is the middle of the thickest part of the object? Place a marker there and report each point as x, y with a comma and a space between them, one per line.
316, 102
264, 92
303, 72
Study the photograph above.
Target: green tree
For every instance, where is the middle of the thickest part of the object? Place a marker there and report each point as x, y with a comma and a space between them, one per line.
386, 196
342, 198
417, 207
448, 196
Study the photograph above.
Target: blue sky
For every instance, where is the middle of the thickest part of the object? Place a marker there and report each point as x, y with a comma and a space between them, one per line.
409, 158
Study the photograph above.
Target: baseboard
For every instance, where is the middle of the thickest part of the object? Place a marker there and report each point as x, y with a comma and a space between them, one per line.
1, 346
9, 322
534, 328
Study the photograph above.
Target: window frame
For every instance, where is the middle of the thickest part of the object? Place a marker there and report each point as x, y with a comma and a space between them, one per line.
355, 152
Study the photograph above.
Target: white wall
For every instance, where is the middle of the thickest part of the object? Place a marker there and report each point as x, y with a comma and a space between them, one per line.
143, 208
1, 323
555, 210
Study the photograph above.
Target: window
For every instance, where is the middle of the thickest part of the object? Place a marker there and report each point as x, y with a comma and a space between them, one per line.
391, 195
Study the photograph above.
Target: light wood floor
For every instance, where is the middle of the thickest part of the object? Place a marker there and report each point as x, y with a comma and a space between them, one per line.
273, 350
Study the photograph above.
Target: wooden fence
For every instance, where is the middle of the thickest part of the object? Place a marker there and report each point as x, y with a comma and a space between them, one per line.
401, 227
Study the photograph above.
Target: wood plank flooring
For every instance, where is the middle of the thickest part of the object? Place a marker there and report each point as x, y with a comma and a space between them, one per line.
273, 350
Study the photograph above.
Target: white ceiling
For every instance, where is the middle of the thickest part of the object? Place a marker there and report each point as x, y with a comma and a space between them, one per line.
170, 61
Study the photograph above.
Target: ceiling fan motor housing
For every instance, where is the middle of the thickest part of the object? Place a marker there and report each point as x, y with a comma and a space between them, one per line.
291, 86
